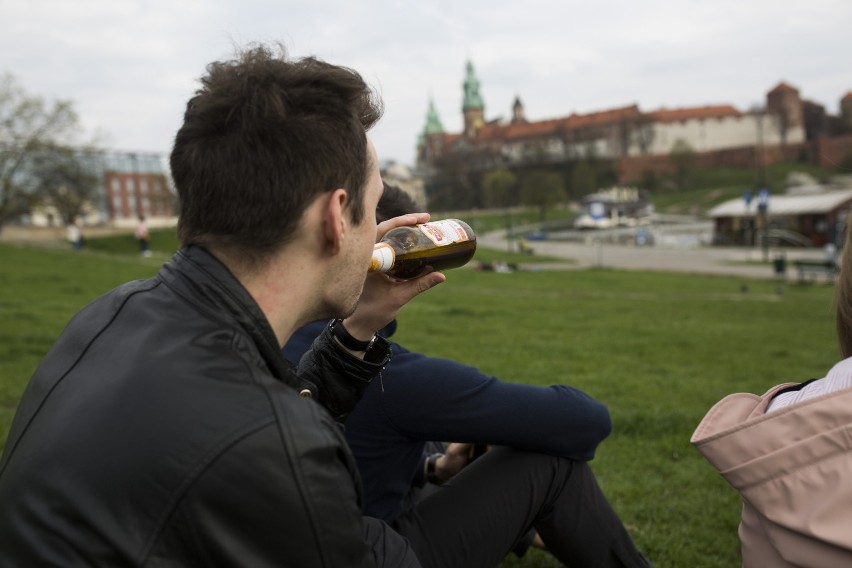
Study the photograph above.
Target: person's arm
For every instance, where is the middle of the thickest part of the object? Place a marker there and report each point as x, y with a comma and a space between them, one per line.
335, 377
441, 467
437, 399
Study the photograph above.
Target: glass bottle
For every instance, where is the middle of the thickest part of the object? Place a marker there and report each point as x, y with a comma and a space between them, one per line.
405, 252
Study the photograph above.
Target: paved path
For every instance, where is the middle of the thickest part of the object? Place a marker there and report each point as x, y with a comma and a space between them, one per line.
700, 260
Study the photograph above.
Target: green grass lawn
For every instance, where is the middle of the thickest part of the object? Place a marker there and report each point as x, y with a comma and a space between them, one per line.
659, 349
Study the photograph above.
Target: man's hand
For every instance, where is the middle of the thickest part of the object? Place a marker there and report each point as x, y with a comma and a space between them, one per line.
453, 461
409, 219
383, 296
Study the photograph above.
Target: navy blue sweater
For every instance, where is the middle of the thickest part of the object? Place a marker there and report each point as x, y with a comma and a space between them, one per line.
420, 398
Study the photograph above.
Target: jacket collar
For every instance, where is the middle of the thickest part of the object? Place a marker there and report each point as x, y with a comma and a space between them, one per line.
201, 279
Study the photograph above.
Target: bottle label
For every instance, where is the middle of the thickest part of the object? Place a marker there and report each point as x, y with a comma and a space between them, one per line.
383, 258
444, 232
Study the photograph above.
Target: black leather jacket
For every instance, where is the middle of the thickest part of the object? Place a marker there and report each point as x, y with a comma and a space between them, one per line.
164, 428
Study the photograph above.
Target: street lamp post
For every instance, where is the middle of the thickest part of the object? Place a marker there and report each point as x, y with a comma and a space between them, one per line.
748, 232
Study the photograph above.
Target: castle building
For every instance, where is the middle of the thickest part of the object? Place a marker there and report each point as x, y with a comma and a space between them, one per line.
637, 140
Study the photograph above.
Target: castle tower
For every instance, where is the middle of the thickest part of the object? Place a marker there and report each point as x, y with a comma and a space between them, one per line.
784, 102
518, 111
433, 121
473, 109
430, 141
846, 112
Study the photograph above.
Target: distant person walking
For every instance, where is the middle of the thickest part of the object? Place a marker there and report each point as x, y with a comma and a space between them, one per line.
142, 236
74, 233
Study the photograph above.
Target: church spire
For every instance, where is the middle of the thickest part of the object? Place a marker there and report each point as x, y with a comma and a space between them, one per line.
433, 121
473, 108
431, 139
472, 98
518, 111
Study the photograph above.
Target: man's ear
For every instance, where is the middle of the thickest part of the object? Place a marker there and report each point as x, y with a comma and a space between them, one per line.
335, 220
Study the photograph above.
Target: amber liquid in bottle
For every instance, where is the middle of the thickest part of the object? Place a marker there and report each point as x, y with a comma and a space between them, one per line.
405, 252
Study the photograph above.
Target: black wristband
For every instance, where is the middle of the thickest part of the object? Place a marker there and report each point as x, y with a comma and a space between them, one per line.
431, 477
346, 340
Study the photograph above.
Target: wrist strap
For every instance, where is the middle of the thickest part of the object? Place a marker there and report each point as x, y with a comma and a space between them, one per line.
431, 477
346, 340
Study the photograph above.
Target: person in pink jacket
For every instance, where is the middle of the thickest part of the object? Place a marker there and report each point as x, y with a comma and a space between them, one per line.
789, 454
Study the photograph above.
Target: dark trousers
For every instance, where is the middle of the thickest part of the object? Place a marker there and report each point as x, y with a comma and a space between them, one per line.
476, 518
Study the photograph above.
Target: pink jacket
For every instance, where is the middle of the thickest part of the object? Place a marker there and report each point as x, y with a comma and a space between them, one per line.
793, 469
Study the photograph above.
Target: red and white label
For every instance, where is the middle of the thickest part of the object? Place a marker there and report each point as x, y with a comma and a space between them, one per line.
444, 232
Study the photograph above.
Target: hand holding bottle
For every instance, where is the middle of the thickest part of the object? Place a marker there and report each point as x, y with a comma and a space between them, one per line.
383, 297
407, 252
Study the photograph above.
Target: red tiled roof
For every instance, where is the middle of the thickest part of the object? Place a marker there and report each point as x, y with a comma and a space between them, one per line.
692, 113
847, 96
551, 126
603, 117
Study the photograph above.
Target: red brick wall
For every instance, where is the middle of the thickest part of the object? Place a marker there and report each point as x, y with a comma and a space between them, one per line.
824, 151
831, 152
125, 200
631, 168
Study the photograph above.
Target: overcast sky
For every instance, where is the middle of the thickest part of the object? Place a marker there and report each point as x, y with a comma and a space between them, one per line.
130, 65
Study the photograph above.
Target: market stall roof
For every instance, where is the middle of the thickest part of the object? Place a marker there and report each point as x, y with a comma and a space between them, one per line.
785, 205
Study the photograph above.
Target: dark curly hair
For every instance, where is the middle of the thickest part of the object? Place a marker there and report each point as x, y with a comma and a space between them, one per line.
262, 138
394, 202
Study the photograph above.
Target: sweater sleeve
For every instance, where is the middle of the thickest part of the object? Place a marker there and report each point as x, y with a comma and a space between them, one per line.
429, 398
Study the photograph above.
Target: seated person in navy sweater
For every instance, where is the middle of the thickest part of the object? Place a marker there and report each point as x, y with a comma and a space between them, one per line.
535, 476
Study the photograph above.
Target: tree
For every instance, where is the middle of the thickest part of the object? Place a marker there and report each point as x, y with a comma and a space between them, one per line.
644, 133
67, 177
498, 188
542, 189
682, 157
30, 129
650, 180
584, 179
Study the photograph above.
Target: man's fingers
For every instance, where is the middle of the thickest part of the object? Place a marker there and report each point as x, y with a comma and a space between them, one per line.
401, 221
429, 281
